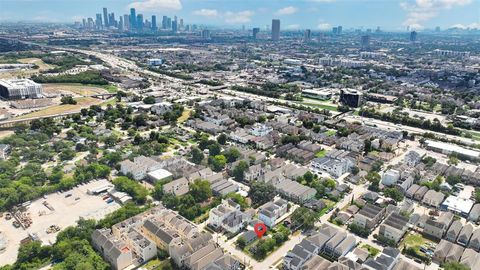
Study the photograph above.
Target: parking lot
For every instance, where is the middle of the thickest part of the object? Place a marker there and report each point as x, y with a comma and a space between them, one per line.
67, 208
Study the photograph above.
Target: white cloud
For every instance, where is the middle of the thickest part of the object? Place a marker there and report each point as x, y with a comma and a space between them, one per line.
206, 12
324, 26
287, 10
156, 5
293, 27
421, 11
469, 26
239, 17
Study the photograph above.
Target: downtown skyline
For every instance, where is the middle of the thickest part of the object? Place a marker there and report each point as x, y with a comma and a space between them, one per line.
305, 14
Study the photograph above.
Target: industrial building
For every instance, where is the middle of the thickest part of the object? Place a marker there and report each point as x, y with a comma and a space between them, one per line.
20, 89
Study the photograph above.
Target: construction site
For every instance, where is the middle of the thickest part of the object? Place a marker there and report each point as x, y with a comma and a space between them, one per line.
43, 218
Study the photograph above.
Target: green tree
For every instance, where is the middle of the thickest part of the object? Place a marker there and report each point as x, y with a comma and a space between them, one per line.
239, 170
217, 162
197, 155
455, 266
214, 149
200, 190
222, 139
232, 154
131, 187
394, 193
261, 193
304, 218
241, 242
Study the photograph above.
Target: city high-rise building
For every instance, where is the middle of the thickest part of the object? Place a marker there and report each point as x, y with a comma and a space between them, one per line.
205, 34
164, 22
98, 21
133, 19
339, 30
413, 36
111, 19
181, 24
437, 29
139, 23
105, 17
154, 23
307, 35
90, 23
174, 26
84, 22
275, 29
120, 23
335, 30
255, 32
169, 23
365, 42
126, 22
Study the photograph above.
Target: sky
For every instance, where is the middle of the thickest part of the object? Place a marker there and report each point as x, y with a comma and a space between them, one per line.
394, 15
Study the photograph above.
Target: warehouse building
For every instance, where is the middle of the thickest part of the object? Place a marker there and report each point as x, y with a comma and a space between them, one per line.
20, 89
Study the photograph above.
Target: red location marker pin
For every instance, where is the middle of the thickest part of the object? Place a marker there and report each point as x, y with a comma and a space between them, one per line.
260, 229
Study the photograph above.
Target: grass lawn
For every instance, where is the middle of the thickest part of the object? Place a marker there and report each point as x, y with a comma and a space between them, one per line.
330, 132
110, 88
158, 265
415, 241
201, 218
371, 250
321, 153
185, 116
321, 106
475, 134
329, 204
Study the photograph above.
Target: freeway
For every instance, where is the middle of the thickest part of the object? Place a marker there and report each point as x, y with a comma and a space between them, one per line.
399, 127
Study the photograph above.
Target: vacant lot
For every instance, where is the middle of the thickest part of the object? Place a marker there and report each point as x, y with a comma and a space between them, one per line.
83, 102
69, 89
22, 73
66, 211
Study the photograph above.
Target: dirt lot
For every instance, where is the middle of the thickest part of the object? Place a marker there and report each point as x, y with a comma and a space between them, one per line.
67, 210
83, 102
68, 89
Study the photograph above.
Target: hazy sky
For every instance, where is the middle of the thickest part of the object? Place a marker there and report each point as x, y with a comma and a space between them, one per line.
294, 14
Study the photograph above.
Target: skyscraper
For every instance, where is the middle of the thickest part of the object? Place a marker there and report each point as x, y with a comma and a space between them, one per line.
111, 19
139, 23
98, 21
133, 22
365, 42
413, 36
339, 30
164, 22
105, 17
174, 26
335, 30
181, 24
126, 22
205, 34
154, 23
307, 35
120, 23
255, 32
275, 29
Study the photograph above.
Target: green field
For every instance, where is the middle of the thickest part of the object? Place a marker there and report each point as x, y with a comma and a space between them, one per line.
321, 153
371, 250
